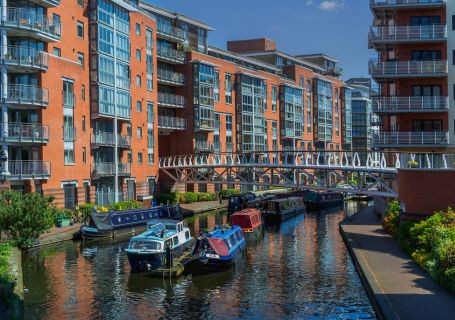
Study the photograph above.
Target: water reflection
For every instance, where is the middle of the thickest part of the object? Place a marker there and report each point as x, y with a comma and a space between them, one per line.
300, 269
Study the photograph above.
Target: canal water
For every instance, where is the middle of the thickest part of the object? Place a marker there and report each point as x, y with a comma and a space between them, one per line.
300, 270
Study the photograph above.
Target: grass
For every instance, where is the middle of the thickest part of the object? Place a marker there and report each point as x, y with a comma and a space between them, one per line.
5, 251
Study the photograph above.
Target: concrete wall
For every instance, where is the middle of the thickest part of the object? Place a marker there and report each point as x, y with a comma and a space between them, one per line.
426, 191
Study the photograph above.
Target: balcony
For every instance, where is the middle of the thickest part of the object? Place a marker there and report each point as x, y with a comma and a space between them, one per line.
47, 3
406, 69
411, 139
229, 147
207, 146
406, 34
24, 133
171, 123
170, 77
24, 170
24, 22
69, 134
107, 139
379, 6
25, 95
170, 55
170, 33
108, 110
411, 104
171, 100
106, 169
20, 59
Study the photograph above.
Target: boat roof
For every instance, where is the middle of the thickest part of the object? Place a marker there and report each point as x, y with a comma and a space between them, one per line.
247, 212
286, 199
163, 221
154, 233
223, 233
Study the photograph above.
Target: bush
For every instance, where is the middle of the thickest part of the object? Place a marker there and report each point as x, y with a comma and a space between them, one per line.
84, 211
391, 221
25, 217
226, 193
164, 197
189, 197
126, 205
207, 196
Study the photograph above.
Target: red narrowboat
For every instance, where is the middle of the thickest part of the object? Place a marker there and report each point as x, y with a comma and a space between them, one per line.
250, 221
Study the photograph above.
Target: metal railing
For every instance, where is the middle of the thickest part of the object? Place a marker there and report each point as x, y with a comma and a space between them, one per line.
396, 68
29, 168
171, 32
171, 76
414, 104
431, 32
69, 134
30, 20
101, 138
25, 94
24, 132
108, 169
405, 2
165, 122
411, 138
171, 100
170, 54
27, 57
47, 3
207, 146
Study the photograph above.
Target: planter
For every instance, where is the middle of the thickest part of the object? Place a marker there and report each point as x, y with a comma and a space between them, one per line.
63, 222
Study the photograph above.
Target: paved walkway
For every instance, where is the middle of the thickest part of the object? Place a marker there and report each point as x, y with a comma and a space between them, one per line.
198, 207
57, 235
397, 286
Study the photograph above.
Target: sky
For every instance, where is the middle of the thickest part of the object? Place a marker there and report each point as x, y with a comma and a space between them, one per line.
338, 28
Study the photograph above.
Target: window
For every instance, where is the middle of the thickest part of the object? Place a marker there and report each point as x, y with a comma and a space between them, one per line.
80, 29
216, 89
138, 29
425, 55
138, 54
138, 106
128, 129
426, 125
228, 122
139, 158
149, 38
68, 156
228, 88
57, 52
70, 195
150, 139
83, 123
453, 22
274, 97
129, 157
83, 92
139, 132
80, 58
151, 158
56, 20
138, 80
84, 155
425, 20
150, 112
302, 82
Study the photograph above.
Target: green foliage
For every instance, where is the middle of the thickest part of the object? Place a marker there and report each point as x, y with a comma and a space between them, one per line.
64, 214
7, 280
25, 217
206, 196
391, 221
84, 210
226, 193
185, 197
189, 197
126, 205
165, 197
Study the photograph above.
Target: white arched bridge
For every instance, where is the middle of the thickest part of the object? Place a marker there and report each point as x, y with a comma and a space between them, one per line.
358, 173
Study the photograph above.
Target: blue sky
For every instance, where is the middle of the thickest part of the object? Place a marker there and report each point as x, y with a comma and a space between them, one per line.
338, 28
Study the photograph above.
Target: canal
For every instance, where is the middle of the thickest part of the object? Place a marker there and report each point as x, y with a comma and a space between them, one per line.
300, 270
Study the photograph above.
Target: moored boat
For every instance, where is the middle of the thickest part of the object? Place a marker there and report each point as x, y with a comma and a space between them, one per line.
316, 200
250, 221
247, 200
155, 248
125, 224
279, 210
217, 250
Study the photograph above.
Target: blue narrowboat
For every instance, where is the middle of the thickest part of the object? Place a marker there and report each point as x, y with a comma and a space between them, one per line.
155, 248
217, 250
118, 225
316, 200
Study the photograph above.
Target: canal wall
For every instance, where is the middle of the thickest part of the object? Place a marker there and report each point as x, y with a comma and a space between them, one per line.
397, 287
12, 308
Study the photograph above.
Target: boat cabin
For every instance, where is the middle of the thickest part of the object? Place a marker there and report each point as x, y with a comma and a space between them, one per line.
224, 242
283, 205
247, 219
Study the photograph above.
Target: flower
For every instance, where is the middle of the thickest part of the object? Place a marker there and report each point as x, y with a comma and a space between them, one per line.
413, 163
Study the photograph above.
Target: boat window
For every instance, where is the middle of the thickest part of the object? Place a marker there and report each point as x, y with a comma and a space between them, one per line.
168, 243
229, 242
170, 226
187, 235
236, 237
176, 241
145, 245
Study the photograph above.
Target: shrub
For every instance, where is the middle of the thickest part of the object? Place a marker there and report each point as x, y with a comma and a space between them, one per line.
226, 193
206, 196
164, 197
126, 205
189, 197
84, 210
391, 221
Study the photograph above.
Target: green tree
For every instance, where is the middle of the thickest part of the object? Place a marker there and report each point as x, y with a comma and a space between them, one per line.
25, 217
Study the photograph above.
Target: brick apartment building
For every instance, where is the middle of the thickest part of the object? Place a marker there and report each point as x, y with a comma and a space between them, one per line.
415, 43
94, 92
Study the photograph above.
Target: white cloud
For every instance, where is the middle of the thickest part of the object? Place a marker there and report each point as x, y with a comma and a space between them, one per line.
328, 5
309, 2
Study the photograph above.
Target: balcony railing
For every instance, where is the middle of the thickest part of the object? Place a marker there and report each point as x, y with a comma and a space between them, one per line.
411, 104
170, 32
24, 132
69, 134
108, 169
26, 57
171, 77
411, 138
31, 21
380, 68
171, 123
25, 94
207, 146
405, 33
411, 3
47, 3
107, 139
170, 54
29, 169
173, 100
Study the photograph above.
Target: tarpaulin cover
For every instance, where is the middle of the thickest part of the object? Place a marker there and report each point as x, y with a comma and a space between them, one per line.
219, 246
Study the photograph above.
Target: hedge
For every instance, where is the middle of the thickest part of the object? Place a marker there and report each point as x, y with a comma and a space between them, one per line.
185, 197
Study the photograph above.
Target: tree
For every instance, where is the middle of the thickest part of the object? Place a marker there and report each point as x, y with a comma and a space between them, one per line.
25, 217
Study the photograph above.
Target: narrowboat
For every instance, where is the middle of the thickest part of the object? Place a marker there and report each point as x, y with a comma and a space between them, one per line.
316, 200
247, 200
217, 250
155, 248
279, 210
117, 225
250, 221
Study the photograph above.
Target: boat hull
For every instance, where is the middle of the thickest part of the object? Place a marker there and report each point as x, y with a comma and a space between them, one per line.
312, 205
202, 265
254, 235
90, 233
274, 217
